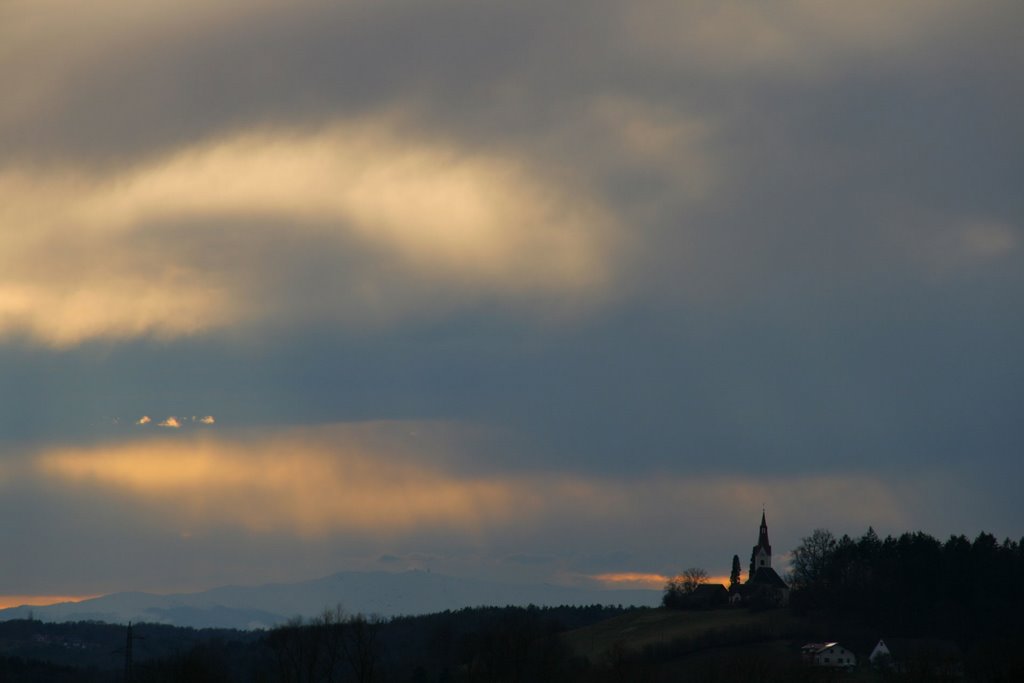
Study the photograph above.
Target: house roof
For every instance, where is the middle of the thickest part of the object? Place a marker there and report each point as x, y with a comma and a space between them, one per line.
818, 648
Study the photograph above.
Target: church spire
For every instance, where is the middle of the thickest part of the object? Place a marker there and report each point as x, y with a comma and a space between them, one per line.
762, 538
761, 555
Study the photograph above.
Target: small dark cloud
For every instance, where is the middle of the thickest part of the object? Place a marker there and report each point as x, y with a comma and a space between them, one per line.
532, 560
617, 560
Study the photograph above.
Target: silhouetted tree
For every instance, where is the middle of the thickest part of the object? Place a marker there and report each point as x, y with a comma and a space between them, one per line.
682, 585
693, 577
734, 575
811, 559
296, 652
361, 647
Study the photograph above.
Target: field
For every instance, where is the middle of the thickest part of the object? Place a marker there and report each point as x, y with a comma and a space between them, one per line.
634, 631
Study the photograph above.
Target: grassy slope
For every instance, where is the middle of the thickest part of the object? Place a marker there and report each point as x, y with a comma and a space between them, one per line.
636, 630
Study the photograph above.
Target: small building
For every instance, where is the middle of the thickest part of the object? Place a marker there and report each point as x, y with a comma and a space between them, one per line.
922, 656
708, 595
881, 655
832, 655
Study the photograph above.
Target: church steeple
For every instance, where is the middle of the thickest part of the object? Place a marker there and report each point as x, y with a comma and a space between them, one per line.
762, 539
761, 555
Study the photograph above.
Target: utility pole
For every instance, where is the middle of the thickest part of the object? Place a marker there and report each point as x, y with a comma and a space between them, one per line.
129, 654
129, 663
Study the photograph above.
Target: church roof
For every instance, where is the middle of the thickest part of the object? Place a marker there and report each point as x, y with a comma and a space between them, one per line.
766, 576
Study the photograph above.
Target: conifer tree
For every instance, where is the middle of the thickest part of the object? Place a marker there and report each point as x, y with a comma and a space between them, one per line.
734, 576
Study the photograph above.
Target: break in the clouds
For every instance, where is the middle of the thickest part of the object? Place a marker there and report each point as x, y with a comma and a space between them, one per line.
661, 263
174, 422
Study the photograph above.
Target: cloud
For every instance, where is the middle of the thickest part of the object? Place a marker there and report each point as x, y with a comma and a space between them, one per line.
782, 248
144, 420
417, 211
171, 422
790, 39
206, 420
295, 484
517, 177
966, 245
323, 481
208, 504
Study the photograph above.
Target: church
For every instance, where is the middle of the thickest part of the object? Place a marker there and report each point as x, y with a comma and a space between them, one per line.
764, 586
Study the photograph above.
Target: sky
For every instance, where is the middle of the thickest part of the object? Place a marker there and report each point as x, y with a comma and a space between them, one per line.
529, 291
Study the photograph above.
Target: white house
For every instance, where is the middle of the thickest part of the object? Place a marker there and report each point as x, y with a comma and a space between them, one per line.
942, 658
828, 654
881, 650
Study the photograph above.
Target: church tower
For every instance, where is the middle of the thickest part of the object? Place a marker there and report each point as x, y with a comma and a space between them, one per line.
761, 556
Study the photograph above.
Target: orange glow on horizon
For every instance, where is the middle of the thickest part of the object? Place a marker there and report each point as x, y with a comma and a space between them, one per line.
632, 580
7, 601
644, 580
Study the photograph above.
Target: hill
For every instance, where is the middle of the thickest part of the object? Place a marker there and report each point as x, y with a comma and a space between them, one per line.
379, 593
651, 628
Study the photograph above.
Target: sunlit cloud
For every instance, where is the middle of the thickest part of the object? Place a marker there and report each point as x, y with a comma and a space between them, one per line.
130, 258
641, 135
971, 243
206, 420
632, 580
652, 581
298, 482
943, 248
172, 422
144, 420
321, 481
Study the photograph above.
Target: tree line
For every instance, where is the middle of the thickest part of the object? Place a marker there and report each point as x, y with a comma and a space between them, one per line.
914, 583
467, 645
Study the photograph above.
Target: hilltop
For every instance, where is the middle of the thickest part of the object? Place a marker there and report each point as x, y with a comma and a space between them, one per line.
637, 630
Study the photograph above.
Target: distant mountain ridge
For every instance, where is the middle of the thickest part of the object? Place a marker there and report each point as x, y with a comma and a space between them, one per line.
381, 593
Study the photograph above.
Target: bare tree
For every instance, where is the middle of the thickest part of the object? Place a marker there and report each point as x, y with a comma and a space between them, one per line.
811, 558
680, 586
331, 627
693, 577
296, 652
361, 647
328, 648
